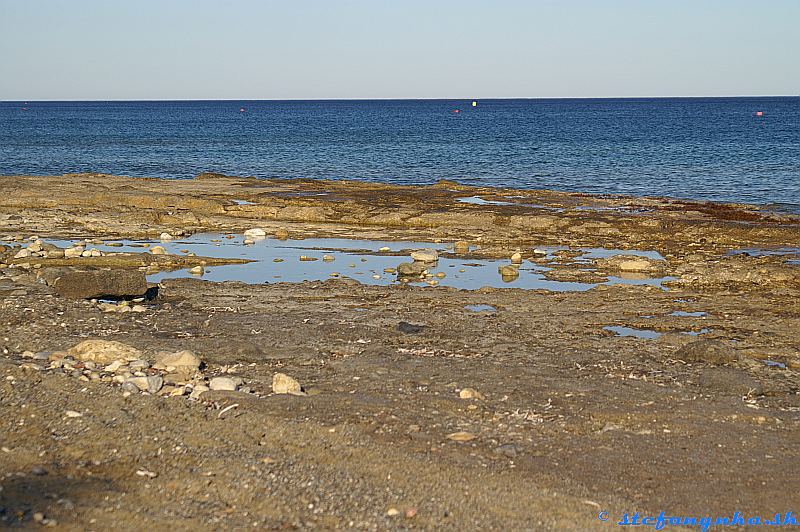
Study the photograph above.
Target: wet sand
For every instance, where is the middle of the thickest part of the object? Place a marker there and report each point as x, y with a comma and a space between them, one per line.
425, 406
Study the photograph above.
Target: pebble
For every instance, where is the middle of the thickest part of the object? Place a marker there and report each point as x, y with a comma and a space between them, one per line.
224, 383
470, 393
392, 512
248, 242
114, 366
197, 270
73, 252
138, 365
284, 384
198, 390
72, 414
384, 249
306, 258
461, 436
516, 258
165, 237
158, 250
328, 258
151, 384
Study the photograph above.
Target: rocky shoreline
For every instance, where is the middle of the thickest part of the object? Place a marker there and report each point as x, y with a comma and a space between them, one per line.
335, 404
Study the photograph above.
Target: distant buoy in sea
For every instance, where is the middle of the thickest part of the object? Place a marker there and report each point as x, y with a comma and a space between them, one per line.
456, 111
241, 109
474, 103
759, 113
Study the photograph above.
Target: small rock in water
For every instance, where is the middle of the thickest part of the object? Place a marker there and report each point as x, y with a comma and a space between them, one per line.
281, 234
284, 384
384, 249
508, 272
224, 383
516, 258
306, 258
425, 255
410, 269
248, 242
461, 247
158, 250
328, 258
197, 270
165, 237
256, 232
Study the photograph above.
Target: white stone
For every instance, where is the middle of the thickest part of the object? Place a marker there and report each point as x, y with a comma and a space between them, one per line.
224, 383
256, 232
425, 255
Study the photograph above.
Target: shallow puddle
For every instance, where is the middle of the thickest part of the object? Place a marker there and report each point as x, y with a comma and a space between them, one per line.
644, 334
480, 308
477, 200
696, 333
761, 252
684, 314
367, 261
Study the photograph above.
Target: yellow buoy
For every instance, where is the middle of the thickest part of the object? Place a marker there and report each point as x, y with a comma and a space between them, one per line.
474, 104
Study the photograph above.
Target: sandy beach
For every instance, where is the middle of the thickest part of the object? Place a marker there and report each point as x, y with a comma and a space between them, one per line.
410, 404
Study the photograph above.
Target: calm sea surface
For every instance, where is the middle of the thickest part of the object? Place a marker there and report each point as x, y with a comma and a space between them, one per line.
701, 148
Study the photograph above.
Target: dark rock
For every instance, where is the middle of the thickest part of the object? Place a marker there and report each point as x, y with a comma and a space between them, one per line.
708, 352
725, 381
409, 328
509, 450
411, 269
101, 283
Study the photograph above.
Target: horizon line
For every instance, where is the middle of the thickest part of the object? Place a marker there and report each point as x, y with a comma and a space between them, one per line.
398, 99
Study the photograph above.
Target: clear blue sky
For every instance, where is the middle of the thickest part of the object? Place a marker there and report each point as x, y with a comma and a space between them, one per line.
296, 49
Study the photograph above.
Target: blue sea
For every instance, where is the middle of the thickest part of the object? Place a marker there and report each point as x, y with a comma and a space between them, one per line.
698, 148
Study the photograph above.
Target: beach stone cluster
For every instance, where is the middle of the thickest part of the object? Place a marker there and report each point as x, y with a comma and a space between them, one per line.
171, 374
